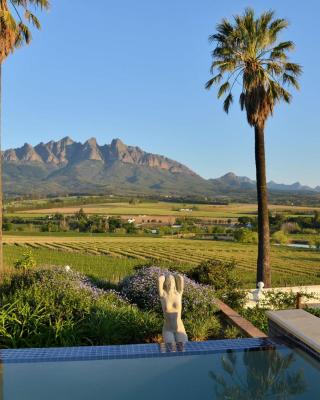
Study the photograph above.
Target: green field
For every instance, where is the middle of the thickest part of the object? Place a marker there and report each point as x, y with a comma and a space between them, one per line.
112, 258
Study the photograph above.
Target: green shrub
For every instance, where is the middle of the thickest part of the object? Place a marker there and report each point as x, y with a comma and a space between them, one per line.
7, 226
232, 332
223, 277
273, 300
244, 235
280, 237
202, 327
314, 311
257, 316
26, 262
309, 231
276, 300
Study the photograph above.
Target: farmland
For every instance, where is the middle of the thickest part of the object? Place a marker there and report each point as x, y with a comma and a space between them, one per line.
162, 209
112, 258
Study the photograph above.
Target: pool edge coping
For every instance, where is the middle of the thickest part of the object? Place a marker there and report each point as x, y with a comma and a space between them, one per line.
117, 352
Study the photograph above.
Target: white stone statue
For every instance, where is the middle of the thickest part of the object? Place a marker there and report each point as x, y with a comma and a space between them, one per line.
257, 294
170, 291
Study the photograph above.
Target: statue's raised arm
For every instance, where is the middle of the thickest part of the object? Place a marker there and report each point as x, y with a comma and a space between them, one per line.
179, 284
161, 281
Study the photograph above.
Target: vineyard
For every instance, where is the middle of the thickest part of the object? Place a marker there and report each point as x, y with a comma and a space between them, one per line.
121, 254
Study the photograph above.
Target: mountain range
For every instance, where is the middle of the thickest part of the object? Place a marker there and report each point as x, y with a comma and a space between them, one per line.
67, 166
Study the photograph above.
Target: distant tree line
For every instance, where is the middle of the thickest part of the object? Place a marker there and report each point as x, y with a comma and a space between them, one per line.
78, 222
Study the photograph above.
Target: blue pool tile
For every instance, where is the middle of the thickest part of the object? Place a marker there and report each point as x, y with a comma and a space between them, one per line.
131, 351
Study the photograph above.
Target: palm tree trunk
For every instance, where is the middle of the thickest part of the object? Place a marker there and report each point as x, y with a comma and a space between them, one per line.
263, 262
1, 200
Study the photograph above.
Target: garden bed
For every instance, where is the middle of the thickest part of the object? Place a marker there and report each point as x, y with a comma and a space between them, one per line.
59, 307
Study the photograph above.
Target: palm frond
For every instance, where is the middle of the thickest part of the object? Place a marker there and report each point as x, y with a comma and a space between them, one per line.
295, 69
32, 19
284, 46
212, 81
286, 96
42, 4
291, 80
225, 28
223, 88
25, 33
227, 102
242, 100
274, 67
264, 20
276, 26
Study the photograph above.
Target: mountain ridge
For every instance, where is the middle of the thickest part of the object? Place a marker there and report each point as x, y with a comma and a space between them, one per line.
66, 151
65, 166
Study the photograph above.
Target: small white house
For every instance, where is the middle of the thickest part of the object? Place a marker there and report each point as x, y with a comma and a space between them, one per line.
131, 220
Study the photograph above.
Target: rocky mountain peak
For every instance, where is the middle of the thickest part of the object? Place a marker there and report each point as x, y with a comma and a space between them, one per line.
27, 153
67, 140
91, 150
118, 145
92, 141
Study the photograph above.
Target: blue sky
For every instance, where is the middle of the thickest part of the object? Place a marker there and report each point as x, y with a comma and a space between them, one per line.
136, 70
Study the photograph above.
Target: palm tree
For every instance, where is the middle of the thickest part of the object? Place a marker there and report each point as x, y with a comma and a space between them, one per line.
15, 18
247, 52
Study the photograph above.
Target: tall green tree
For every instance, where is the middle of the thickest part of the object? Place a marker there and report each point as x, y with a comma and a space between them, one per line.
248, 55
16, 17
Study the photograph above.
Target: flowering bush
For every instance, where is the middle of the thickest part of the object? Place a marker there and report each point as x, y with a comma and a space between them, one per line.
198, 310
142, 289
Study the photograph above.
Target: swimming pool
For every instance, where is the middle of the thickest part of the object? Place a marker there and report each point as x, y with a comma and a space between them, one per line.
223, 369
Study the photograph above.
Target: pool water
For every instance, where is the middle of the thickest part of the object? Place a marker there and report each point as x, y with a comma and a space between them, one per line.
270, 372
